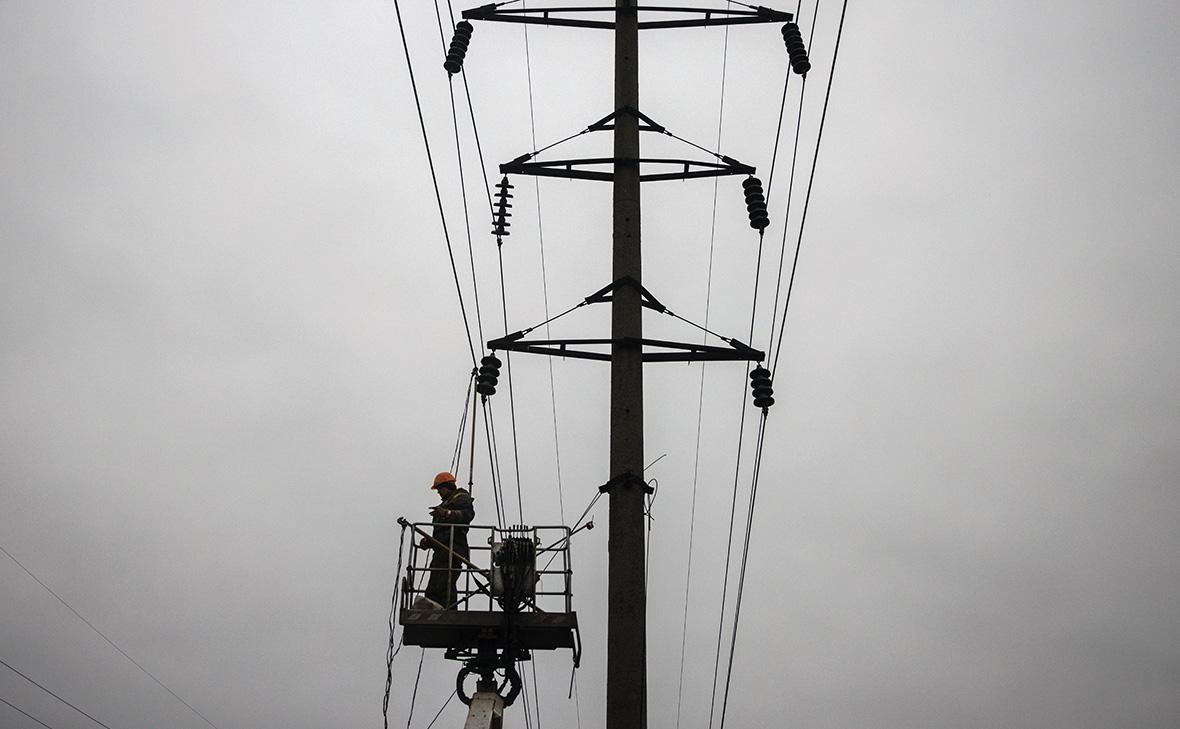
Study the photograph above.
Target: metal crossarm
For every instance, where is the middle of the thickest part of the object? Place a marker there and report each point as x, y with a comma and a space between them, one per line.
585, 17
654, 350
584, 168
574, 169
678, 351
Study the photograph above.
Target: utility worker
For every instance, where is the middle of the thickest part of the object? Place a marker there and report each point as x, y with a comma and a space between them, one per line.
454, 511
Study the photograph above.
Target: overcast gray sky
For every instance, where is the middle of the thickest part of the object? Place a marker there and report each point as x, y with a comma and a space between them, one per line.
231, 356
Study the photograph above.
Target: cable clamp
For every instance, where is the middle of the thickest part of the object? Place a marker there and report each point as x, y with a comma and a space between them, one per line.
624, 479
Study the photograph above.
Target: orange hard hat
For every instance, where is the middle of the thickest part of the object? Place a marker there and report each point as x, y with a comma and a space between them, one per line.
443, 477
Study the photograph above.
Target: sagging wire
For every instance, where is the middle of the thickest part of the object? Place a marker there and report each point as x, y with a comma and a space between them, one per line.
762, 424
22, 711
434, 179
790, 185
810, 182
701, 396
737, 610
544, 281
728, 554
103, 635
18, 672
462, 175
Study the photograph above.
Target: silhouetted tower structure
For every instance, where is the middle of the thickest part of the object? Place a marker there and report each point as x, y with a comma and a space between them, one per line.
626, 348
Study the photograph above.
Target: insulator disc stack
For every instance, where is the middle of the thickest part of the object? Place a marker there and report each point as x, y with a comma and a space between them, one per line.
500, 222
458, 50
760, 385
489, 375
756, 203
795, 49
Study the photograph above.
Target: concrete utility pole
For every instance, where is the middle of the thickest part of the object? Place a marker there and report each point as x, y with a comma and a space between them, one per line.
626, 651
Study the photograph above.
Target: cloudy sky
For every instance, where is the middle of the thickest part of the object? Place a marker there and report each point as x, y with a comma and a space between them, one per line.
231, 355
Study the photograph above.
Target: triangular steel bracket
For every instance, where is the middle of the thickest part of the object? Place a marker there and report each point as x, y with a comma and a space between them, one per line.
602, 168
656, 350
605, 122
605, 294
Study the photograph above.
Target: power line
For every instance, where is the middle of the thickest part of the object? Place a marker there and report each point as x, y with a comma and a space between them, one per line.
51, 693
462, 176
790, 183
434, 178
544, 278
737, 610
440, 711
414, 695
701, 395
102, 635
810, 181
17, 708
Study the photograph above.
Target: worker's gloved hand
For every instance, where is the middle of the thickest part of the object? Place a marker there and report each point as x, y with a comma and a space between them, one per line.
424, 543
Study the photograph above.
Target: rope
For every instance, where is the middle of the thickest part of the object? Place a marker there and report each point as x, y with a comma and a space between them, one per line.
392, 651
810, 181
434, 178
102, 635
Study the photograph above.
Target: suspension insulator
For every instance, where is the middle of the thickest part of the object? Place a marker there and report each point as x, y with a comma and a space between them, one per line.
500, 217
761, 387
489, 375
756, 203
795, 49
458, 50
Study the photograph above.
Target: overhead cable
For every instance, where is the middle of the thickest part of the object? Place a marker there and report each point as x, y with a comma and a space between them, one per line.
737, 609
434, 178
790, 185
440, 710
810, 181
528, 65
17, 708
701, 396
10, 667
102, 635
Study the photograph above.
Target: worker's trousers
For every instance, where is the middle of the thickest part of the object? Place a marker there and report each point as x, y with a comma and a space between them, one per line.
444, 574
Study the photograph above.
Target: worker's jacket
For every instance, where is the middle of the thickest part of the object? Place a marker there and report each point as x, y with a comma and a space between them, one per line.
457, 509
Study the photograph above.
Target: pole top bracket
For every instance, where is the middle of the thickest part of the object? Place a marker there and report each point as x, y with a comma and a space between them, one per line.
626, 478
